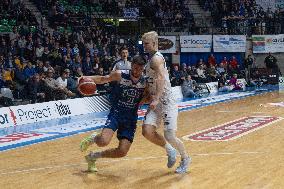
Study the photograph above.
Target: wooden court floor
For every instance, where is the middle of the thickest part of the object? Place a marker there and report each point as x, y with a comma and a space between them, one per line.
253, 161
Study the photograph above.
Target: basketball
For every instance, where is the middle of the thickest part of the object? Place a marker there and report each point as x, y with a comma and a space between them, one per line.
87, 86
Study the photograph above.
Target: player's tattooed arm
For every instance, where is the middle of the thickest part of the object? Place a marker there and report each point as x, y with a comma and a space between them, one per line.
157, 64
113, 76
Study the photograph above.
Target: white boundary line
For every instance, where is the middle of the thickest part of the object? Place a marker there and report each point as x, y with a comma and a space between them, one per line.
27, 171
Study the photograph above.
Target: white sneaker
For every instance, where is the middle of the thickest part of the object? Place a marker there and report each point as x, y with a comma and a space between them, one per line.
183, 166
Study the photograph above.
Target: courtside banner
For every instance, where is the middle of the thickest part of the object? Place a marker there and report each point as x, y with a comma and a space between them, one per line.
167, 44
229, 43
234, 129
32, 113
196, 43
268, 43
212, 87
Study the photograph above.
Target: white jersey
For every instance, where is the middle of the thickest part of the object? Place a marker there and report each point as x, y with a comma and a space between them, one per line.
122, 65
152, 76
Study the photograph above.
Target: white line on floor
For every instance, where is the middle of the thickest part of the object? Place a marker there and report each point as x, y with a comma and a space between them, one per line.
122, 159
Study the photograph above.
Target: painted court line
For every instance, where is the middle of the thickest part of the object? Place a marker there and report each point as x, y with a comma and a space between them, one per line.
230, 111
122, 159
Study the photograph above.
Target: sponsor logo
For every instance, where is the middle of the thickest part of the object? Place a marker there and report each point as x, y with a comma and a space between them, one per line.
197, 43
231, 40
233, 130
165, 44
34, 114
13, 116
17, 136
3, 119
62, 109
275, 40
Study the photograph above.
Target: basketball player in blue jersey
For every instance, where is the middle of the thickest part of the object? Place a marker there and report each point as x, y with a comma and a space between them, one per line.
162, 107
125, 98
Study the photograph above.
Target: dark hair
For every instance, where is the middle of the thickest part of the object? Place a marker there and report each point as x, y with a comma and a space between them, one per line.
123, 48
140, 60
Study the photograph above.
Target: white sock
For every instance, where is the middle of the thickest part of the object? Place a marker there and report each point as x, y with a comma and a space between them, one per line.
170, 136
168, 147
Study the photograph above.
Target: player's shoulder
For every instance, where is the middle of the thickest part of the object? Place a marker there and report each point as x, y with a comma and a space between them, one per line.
157, 57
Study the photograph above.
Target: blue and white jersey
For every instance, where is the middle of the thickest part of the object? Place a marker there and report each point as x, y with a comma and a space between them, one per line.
126, 95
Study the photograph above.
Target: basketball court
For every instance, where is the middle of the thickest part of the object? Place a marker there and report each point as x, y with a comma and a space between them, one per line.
253, 159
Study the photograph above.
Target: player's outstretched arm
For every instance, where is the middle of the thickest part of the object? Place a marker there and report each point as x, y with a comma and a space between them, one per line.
113, 76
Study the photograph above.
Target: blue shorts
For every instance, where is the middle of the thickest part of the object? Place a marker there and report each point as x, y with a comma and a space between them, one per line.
125, 127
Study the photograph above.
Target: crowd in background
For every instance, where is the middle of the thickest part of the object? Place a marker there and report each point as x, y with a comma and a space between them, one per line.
41, 65
244, 17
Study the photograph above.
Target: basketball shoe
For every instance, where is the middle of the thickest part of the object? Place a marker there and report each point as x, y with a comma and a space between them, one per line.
183, 166
91, 163
86, 142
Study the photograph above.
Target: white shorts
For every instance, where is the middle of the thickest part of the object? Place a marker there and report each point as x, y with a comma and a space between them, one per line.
168, 113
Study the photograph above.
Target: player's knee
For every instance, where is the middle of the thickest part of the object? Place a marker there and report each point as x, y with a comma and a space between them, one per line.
170, 136
122, 152
102, 142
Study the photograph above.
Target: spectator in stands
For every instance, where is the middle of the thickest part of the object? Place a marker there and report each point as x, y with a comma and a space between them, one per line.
211, 60
7, 75
212, 73
39, 67
221, 69
29, 70
29, 48
184, 71
39, 51
14, 35
22, 45
248, 65
87, 66
4, 49
201, 75
234, 62
256, 79
46, 54
176, 76
234, 82
53, 91
223, 84
271, 63
62, 83
123, 63
35, 89
77, 63
225, 62
188, 87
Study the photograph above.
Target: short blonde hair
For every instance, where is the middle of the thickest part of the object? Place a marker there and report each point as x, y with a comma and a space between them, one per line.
152, 35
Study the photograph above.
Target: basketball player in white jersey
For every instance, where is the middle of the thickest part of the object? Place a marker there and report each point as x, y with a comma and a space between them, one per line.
162, 107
